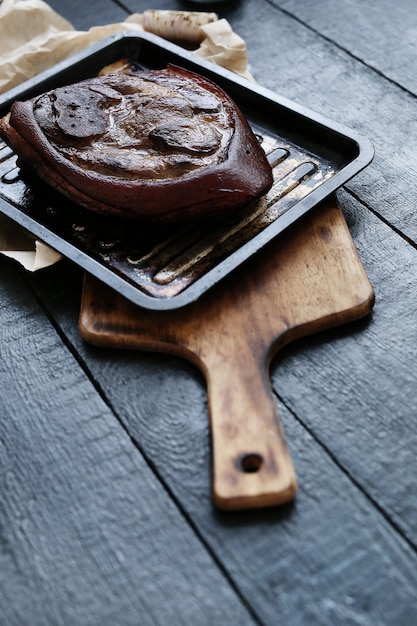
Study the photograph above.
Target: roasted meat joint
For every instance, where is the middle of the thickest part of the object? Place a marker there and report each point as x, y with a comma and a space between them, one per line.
150, 144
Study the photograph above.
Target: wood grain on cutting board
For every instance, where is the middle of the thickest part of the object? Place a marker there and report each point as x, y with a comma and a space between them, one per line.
308, 280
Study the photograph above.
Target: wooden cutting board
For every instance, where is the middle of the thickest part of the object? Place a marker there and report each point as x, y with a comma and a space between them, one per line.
308, 280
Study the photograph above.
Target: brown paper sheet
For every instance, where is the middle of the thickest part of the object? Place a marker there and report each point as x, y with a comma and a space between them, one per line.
33, 37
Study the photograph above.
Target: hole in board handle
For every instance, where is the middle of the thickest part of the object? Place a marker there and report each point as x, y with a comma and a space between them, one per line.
251, 462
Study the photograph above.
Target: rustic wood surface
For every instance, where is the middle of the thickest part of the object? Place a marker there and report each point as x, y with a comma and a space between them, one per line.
105, 508
306, 282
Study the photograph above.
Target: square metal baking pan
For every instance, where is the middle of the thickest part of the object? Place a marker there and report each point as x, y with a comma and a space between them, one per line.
166, 267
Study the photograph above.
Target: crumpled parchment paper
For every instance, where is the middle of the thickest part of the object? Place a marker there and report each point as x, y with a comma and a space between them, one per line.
33, 37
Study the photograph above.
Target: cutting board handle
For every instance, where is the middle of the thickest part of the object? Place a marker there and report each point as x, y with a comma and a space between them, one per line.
251, 463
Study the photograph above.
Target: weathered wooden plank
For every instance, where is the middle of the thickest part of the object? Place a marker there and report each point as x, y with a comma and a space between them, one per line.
361, 401
381, 33
84, 15
88, 533
331, 558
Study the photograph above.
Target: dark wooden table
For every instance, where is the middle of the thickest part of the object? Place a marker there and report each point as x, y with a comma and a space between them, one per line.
105, 509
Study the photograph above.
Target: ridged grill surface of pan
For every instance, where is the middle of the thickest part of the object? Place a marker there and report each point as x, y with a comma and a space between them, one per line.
163, 261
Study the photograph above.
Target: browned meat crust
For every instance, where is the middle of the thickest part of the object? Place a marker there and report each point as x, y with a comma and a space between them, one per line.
158, 144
